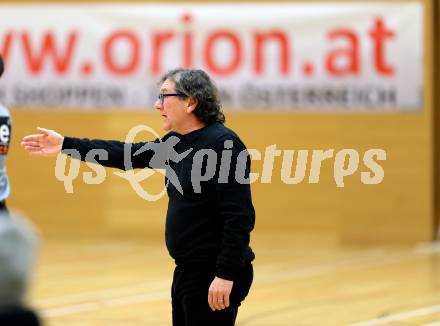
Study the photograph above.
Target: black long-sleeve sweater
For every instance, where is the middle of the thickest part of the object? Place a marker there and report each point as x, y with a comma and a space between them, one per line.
210, 223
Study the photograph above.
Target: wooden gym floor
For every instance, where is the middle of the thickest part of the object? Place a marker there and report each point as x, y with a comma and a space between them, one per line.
298, 282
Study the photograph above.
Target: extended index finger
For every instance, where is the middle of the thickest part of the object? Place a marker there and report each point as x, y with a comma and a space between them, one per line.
35, 137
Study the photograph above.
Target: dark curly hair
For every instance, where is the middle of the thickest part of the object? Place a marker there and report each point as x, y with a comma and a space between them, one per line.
197, 84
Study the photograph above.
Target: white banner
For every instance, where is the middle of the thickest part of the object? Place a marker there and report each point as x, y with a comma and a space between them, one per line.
282, 56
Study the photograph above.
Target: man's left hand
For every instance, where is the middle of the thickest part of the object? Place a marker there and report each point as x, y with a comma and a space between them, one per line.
218, 295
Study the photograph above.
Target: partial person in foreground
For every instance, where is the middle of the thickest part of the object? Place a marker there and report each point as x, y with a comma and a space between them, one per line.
5, 139
209, 220
17, 251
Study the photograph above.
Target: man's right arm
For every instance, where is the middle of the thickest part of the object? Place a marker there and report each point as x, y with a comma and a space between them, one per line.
117, 154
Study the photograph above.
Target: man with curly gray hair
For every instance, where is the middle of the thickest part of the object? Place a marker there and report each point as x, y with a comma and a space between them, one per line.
207, 233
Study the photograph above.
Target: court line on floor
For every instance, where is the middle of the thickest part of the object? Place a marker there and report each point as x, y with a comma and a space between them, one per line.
90, 295
90, 306
400, 316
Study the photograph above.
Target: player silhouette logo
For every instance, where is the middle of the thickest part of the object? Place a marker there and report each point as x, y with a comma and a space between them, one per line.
163, 153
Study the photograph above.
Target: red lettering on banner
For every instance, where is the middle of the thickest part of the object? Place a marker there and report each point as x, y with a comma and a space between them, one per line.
35, 59
133, 57
308, 69
187, 43
6, 45
56, 52
379, 33
350, 54
158, 40
87, 69
284, 46
236, 52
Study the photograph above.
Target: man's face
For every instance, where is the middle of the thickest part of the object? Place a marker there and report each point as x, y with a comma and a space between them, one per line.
172, 109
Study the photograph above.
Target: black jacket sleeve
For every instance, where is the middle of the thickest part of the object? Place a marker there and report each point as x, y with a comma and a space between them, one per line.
236, 210
117, 154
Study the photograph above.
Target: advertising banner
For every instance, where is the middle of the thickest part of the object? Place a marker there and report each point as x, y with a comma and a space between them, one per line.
317, 57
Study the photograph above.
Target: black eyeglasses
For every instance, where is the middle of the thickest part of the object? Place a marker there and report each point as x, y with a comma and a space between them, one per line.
161, 97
